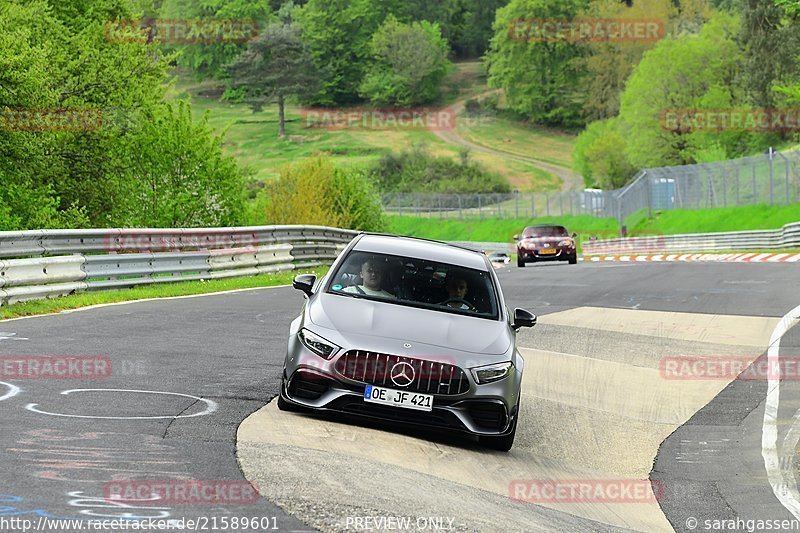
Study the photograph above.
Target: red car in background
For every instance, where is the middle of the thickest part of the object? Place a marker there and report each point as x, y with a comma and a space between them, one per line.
546, 243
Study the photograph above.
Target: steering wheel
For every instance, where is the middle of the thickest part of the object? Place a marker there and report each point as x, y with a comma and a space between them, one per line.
470, 307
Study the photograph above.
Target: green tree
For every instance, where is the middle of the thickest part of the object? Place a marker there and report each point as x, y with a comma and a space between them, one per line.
471, 37
681, 72
274, 66
409, 63
209, 59
177, 175
540, 78
81, 176
771, 44
599, 156
338, 32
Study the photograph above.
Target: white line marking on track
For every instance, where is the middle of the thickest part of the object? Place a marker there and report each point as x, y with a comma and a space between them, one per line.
7, 335
13, 390
96, 306
211, 406
784, 490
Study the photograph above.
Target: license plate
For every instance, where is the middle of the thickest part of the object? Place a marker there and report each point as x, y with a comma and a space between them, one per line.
547, 251
399, 398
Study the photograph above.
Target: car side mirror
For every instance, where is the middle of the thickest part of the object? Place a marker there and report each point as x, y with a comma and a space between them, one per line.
516, 237
305, 282
574, 234
523, 319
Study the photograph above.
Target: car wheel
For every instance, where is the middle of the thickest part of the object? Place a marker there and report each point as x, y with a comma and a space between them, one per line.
573, 260
503, 443
520, 262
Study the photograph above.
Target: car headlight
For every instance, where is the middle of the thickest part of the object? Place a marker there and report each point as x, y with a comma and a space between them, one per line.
569, 243
491, 373
320, 346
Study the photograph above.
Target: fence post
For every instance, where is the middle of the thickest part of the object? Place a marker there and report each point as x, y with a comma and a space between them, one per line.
497, 197
480, 208
516, 204
771, 183
786, 171
533, 205
755, 190
460, 214
724, 187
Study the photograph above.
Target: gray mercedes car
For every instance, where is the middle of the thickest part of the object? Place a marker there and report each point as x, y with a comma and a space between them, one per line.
410, 331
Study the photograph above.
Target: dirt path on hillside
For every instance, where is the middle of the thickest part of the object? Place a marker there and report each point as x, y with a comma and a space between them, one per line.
571, 180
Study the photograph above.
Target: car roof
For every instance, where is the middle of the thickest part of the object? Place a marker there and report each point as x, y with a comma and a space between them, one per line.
421, 249
541, 226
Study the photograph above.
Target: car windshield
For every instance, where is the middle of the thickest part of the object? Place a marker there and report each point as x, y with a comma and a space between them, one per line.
415, 282
546, 231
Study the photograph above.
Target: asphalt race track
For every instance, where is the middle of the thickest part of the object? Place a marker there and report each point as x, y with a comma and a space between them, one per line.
190, 383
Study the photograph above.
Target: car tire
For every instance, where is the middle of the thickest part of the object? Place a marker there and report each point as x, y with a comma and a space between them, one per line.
573, 260
520, 262
504, 442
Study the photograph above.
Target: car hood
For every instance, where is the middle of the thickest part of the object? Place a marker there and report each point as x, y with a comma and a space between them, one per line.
353, 318
542, 240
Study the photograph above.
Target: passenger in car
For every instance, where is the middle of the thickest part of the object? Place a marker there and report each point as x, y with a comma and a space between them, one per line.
457, 289
372, 274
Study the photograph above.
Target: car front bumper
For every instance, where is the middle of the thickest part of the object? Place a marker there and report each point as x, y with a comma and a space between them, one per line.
314, 383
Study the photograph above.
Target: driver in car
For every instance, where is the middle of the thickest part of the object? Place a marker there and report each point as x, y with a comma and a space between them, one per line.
456, 292
372, 272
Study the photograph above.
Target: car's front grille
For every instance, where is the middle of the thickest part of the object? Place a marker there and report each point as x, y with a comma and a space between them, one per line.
430, 377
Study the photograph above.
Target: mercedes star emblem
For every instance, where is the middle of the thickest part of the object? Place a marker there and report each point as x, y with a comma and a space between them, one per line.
402, 374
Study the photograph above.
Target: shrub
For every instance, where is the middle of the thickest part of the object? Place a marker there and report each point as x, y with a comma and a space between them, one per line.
416, 170
317, 192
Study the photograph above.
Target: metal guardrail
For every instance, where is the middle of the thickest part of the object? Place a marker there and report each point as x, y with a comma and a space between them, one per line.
786, 237
34, 264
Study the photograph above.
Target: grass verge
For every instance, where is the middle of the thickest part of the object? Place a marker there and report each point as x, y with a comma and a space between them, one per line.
671, 222
163, 290
677, 221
